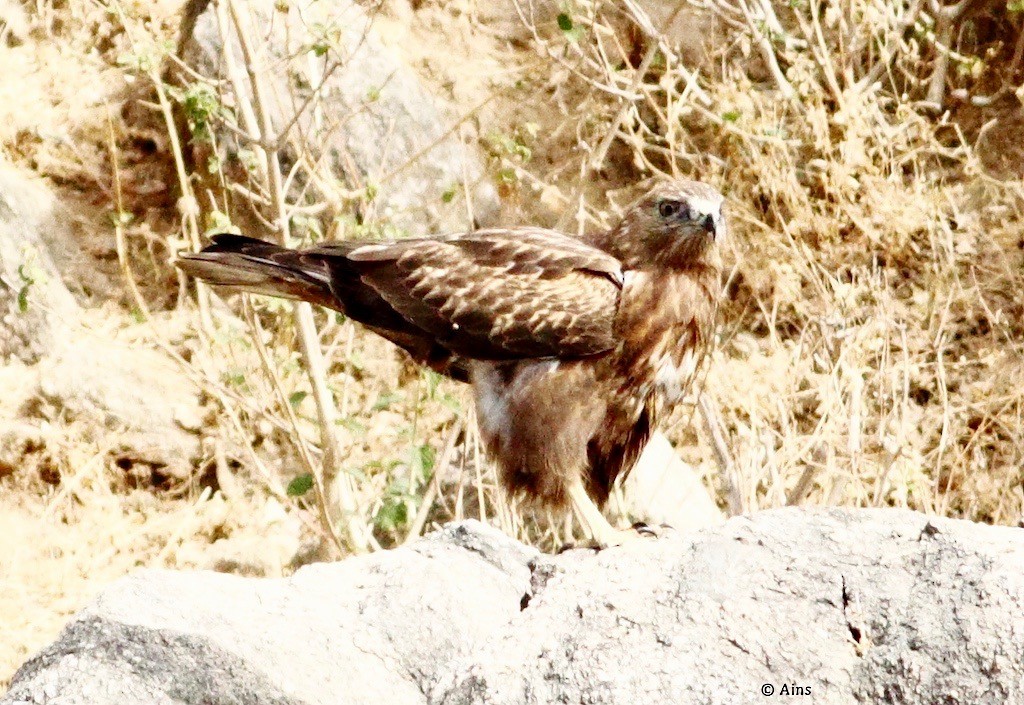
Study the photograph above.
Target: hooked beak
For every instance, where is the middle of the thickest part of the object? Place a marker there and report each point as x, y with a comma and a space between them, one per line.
708, 223
714, 226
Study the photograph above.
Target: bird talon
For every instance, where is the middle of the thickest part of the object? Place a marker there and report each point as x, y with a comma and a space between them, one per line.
645, 530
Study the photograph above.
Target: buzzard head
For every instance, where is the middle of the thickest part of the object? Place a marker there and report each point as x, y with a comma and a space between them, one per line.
676, 225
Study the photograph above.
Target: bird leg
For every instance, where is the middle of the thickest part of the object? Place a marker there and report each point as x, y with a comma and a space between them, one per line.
595, 526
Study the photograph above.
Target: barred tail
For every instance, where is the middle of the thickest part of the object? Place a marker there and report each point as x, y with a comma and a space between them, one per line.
260, 267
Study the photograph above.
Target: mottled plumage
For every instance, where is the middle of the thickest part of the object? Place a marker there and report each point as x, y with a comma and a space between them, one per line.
569, 344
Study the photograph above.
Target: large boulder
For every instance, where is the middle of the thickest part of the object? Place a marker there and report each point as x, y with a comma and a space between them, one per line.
36, 309
376, 124
139, 400
838, 605
367, 630
59, 363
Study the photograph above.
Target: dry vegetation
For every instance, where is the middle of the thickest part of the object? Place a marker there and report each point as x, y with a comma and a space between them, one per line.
872, 347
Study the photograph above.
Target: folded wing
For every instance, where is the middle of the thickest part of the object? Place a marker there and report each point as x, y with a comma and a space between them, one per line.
492, 294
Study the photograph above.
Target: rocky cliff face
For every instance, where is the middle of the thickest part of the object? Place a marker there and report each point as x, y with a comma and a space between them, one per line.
842, 606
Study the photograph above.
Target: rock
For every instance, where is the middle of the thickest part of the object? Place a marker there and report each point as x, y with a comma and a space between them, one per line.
368, 630
377, 124
36, 308
137, 395
662, 489
844, 605
56, 370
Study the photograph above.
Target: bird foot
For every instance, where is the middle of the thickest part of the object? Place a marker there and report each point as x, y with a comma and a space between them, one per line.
620, 537
645, 530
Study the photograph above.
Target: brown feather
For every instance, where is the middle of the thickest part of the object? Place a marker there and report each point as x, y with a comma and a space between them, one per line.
500, 294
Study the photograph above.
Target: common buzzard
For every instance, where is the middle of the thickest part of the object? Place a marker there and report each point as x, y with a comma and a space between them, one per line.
569, 344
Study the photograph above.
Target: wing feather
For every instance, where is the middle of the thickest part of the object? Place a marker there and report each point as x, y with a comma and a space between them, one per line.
497, 294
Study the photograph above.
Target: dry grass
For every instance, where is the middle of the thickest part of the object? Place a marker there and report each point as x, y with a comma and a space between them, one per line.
871, 353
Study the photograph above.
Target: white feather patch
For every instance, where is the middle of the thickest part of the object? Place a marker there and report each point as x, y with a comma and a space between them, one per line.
491, 401
672, 379
367, 250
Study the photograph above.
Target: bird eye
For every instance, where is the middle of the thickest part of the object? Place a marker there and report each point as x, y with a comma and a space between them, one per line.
667, 209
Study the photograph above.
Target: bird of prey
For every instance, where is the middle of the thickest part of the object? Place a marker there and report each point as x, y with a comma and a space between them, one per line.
571, 345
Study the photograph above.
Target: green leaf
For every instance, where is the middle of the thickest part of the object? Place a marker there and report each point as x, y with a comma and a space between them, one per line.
296, 398
393, 514
1015, 6
220, 222
201, 106
385, 400
449, 194
452, 403
352, 424
234, 378
424, 457
300, 485
432, 380
25, 274
569, 29
731, 116
248, 159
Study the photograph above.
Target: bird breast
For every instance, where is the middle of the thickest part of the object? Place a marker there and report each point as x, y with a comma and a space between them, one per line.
674, 370
664, 321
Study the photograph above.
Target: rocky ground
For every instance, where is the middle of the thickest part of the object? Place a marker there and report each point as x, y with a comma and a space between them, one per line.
840, 605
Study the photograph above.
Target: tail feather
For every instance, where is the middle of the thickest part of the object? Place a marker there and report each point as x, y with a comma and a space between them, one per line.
260, 267
323, 277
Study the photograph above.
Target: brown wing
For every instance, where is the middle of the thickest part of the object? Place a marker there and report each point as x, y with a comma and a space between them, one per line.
494, 294
247, 264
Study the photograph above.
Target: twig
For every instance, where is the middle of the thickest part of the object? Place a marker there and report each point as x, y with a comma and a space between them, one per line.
597, 158
188, 203
882, 65
340, 490
296, 435
119, 239
434, 488
945, 17
726, 465
762, 37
